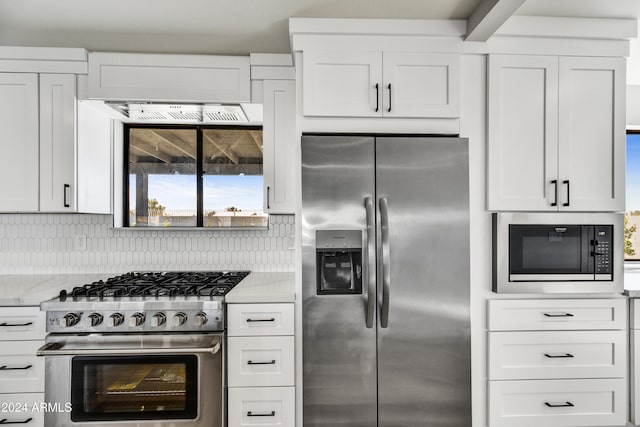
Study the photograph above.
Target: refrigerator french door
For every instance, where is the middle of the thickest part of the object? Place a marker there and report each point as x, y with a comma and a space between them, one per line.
385, 278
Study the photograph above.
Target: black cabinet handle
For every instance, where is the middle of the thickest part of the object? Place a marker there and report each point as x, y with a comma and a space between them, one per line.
559, 405
66, 202
559, 356
269, 414
9, 325
251, 362
555, 185
389, 110
268, 191
377, 97
5, 421
566, 181
4, 368
261, 320
557, 315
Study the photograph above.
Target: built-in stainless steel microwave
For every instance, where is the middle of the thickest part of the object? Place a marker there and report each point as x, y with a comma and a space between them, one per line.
558, 252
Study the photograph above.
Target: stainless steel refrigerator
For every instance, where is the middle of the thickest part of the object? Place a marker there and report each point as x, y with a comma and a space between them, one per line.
385, 281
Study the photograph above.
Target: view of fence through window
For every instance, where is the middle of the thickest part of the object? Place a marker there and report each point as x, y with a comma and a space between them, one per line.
164, 167
632, 215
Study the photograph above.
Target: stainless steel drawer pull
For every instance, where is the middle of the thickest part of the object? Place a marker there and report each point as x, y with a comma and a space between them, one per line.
251, 362
559, 405
558, 356
9, 325
270, 414
262, 320
5, 421
557, 314
4, 368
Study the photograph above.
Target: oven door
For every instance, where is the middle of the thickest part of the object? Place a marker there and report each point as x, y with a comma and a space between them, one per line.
133, 380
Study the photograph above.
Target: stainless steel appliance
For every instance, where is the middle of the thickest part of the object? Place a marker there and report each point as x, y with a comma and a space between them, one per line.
385, 281
558, 252
140, 349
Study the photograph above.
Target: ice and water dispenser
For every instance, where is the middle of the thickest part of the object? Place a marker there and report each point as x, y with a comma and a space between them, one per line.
339, 262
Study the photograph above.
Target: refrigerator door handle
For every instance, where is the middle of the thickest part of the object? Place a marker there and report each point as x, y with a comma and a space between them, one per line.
386, 269
370, 260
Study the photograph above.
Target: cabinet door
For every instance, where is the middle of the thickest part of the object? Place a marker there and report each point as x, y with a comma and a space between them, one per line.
57, 142
522, 149
18, 142
279, 143
592, 134
342, 83
421, 85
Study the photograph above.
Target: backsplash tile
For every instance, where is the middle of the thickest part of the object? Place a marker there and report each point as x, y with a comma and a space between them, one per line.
45, 244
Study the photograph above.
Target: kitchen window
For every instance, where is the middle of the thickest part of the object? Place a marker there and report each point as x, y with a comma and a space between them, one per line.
632, 214
193, 176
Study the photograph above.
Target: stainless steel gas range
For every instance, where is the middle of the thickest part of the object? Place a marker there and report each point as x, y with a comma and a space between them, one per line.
140, 349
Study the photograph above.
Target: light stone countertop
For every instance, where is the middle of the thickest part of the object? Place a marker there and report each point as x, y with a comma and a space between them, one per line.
632, 281
260, 287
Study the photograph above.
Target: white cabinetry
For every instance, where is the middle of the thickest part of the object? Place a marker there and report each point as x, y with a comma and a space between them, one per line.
634, 364
42, 132
380, 84
556, 130
260, 354
22, 331
557, 362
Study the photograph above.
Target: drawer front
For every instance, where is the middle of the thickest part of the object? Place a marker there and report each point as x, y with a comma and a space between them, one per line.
557, 403
260, 361
22, 371
264, 406
567, 314
22, 323
635, 313
259, 319
23, 409
557, 354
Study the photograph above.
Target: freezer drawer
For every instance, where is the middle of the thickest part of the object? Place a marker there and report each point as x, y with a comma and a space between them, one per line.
557, 314
262, 406
259, 319
22, 323
557, 354
555, 403
23, 409
260, 361
24, 371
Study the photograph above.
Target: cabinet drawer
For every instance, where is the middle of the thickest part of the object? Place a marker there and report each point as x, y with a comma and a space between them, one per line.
557, 403
264, 406
22, 323
259, 319
23, 371
557, 354
567, 314
22, 409
260, 361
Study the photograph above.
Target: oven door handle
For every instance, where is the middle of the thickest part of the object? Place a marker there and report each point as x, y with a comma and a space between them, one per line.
57, 349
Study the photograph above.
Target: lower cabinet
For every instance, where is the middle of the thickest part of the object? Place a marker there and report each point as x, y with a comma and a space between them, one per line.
260, 365
563, 364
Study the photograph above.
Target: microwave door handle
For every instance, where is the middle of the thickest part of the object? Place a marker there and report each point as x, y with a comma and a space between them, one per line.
369, 272
386, 272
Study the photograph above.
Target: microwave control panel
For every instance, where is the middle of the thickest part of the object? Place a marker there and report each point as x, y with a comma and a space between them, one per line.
602, 249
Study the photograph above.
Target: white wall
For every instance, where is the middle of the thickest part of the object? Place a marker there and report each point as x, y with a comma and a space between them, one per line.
45, 244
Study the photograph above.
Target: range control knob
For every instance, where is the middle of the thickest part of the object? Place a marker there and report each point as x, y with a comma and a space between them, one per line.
93, 320
70, 319
116, 319
158, 319
136, 319
200, 319
179, 319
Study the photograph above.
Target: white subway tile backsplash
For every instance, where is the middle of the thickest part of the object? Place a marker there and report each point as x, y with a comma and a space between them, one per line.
45, 244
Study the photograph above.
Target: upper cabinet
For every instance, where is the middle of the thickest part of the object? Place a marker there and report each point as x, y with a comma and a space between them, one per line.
156, 77
555, 133
380, 84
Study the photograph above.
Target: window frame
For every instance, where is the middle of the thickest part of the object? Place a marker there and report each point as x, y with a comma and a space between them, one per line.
633, 263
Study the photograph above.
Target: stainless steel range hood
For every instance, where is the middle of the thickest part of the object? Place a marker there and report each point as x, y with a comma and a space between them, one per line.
164, 113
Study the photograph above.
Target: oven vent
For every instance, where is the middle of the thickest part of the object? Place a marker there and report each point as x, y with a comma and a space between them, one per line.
165, 112
223, 113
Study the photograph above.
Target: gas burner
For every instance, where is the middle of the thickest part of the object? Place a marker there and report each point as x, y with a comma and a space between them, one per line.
152, 284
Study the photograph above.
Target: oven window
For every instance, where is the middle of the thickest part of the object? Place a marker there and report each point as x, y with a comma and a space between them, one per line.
116, 388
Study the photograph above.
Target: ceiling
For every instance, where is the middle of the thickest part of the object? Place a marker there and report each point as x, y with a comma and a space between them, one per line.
233, 27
